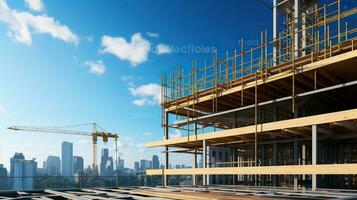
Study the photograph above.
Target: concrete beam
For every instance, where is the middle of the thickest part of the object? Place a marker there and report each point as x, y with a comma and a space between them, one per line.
320, 169
272, 126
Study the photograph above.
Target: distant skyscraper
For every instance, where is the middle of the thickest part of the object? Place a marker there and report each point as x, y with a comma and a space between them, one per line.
103, 162
145, 164
78, 164
53, 165
155, 162
67, 159
30, 170
88, 170
16, 171
136, 166
3, 178
121, 163
22, 172
110, 167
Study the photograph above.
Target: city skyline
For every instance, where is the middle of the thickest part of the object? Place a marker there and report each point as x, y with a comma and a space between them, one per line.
24, 173
54, 164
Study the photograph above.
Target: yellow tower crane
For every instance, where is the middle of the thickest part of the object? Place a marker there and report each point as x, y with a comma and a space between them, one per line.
96, 132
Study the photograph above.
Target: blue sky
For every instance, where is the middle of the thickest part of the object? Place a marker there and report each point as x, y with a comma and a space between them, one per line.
98, 61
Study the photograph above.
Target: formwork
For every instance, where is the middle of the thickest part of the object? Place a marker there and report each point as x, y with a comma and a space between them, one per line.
283, 113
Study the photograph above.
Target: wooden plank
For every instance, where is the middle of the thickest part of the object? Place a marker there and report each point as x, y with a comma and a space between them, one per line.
163, 194
302, 69
272, 126
66, 195
330, 169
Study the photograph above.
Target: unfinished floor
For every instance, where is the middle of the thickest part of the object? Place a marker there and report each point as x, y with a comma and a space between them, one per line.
180, 193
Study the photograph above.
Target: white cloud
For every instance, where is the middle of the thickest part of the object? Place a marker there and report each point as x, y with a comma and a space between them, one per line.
35, 5
2, 110
143, 102
23, 24
136, 51
154, 35
96, 67
146, 94
147, 133
163, 49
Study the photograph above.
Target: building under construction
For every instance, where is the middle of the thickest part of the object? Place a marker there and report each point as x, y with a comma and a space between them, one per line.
283, 113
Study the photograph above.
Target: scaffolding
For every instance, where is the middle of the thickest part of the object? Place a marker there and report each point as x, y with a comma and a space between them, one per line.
333, 30
232, 94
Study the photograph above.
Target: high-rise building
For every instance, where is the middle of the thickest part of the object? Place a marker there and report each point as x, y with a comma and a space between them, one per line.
3, 178
78, 164
121, 163
106, 164
53, 165
136, 166
30, 170
145, 164
22, 172
88, 170
155, 162
67, 159
103, 162
16, 171
110, 167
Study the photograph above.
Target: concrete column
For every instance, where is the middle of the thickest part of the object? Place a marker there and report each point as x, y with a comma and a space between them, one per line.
234, 160
234, 151
204, 161
303, 158
314, 156
167, 163
194, 164
274, 161
295, 162
263, 181
349, 160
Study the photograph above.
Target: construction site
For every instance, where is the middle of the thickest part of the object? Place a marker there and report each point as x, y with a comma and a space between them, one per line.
282, 114
275, 120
